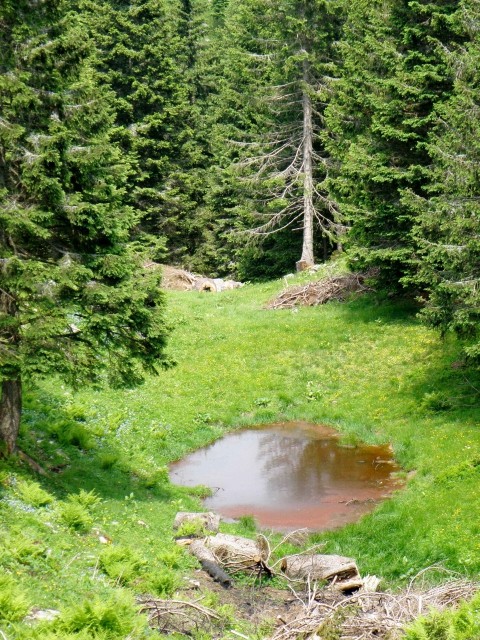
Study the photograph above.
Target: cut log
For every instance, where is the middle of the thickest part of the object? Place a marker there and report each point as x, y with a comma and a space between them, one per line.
341, 572
209, 563
370, 584
204, 284
235, 553
209, 521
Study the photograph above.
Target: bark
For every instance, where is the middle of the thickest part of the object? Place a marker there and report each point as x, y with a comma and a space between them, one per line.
307, 259
10, 413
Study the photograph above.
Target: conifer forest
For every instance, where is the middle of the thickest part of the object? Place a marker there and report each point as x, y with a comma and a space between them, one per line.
293, 147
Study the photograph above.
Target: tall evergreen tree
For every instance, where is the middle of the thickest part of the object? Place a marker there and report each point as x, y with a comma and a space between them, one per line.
145, 48
74, 298
392, 78
448, 218
232, 115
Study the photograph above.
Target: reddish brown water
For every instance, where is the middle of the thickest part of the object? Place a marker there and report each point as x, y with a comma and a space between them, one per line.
290, 476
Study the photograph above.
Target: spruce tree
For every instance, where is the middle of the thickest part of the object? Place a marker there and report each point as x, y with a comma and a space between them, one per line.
145, 51
74, 298
391, 80
448, 217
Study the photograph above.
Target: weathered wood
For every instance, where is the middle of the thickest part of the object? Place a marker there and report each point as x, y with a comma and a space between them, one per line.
341, 572
309, 212
370, 584
302, 265
239, 554
209, 521
204, 284
209, 563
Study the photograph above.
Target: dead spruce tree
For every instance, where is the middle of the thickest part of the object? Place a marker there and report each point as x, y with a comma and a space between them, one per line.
284, 162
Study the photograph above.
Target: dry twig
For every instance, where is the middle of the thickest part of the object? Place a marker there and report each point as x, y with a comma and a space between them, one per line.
369, 616
315, 293
177, 616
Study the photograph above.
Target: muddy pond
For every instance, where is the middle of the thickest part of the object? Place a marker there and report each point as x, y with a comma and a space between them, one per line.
290, 476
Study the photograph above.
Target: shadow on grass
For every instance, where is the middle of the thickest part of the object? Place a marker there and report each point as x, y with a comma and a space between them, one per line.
75, 459
373, 307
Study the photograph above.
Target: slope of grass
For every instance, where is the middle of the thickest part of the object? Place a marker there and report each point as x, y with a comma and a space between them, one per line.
367, 367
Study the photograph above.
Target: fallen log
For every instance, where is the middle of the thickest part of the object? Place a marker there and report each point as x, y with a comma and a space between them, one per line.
342, 573
237, 554
209, 563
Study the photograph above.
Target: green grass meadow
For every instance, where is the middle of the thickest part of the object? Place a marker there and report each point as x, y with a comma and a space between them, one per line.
98, 529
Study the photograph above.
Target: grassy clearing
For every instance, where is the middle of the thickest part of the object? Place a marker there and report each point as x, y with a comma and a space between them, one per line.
367, 367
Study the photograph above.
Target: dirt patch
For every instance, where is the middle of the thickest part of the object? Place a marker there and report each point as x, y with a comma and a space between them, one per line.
258, 604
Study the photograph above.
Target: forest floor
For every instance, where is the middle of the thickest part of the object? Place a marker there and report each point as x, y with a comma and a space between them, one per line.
98, 528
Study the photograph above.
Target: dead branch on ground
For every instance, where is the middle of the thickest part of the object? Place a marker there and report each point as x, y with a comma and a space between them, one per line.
368, 615
177, 616
337, 288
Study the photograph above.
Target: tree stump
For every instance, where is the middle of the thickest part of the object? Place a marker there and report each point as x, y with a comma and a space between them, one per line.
236, 554
341, 572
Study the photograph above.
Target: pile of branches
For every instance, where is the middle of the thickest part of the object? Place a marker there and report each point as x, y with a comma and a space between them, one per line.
177, 616
337, 288
176, 279
368, 616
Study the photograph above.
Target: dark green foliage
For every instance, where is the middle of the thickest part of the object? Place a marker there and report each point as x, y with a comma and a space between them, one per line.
392, 79
147, 50
448, 227
75, 298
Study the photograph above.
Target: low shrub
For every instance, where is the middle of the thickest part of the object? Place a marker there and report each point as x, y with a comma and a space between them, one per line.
23, 550
76, 435
162, 583
121, 564
107, 460
171, 559
105, 619
435, 402
458, 624
75, 516
86, 499
32, 494
14, 604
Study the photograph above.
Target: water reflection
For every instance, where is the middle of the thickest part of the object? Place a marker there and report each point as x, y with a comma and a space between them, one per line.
290, 476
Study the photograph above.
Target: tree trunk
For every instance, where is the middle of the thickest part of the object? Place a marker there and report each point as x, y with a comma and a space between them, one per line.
307, 259
10, 413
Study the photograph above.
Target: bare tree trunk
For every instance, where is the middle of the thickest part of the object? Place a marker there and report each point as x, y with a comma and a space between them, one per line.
10, 413
307, 259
